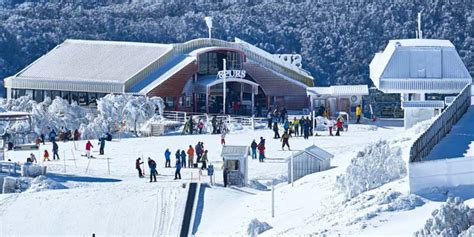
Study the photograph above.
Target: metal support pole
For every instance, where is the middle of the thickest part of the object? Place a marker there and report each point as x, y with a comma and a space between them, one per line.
313, 114
292, 169
224, 85
273, 198
253, 101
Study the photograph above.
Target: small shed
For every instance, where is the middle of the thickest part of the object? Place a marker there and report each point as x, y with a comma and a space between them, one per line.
235, 160
337, 98
311, 160
417, 111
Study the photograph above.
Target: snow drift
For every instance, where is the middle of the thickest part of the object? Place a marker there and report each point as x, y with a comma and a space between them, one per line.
452, 219
376, 165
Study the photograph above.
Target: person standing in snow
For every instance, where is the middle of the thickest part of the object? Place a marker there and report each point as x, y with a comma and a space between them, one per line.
296, 124
306, 129
204, 160
167, 158
153, 172
177, 173
200, 126
190, 156
46, 156
339, 126
358, 113
284, 139
214, 124
286, 126
55, 150
253, 146
177, 155
191, 127
198, 151
269, 119
33, 158
88, 149
183, 158
223, 138
42, 138
330, 126
102, 145
52, 136
275, 130
261, 151
138, 162
225, 173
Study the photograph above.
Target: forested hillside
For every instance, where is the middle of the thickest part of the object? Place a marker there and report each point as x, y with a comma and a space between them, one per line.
337, 39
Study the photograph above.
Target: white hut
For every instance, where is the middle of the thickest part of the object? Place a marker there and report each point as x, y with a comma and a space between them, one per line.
235, 160
311, 160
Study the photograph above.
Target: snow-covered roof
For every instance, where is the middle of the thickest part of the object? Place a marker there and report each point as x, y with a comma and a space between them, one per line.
411, 65
94, 60
235, 151
343, 90
315, 151
436, 104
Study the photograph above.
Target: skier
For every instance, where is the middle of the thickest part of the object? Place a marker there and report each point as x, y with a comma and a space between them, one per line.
330, 126
55, 150
225, 173
254, 149
183, 158
102, 145
138, 162
190, 157
88, 149
177, 173
296, 124
177, 155
153, 172
358, 113
261, 151
284, 139
204, 160
168, 158
46, 156
275, 130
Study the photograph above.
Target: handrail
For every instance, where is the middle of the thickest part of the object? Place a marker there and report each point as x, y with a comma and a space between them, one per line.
189, 46
441, 126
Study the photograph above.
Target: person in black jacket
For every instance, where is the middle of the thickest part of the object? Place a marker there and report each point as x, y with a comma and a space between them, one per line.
55, 150
138, 162
275, 130
254, 149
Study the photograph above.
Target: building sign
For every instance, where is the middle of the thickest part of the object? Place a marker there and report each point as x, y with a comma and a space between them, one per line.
239, 74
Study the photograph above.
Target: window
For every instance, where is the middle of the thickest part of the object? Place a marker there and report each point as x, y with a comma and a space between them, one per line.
38, 96
29, 93
55, 94
169, 101
66, 95
46, 94
92, 98
75, 97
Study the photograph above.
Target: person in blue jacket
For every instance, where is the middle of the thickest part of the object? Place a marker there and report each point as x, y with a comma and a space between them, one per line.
177, 174
168, 158
153, 172
183, 159
102, 145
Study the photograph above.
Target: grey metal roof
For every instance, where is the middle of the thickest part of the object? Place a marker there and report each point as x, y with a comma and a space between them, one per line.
90, 60
437, 104
316, 152
235, 151
342, 90
434, 62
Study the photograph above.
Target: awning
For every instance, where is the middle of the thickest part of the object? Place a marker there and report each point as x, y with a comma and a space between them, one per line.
333, 91
203, 83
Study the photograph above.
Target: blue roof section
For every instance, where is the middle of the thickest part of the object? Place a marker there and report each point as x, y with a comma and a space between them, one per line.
157, 73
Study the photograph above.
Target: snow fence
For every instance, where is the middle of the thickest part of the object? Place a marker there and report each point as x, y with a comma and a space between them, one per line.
376, 165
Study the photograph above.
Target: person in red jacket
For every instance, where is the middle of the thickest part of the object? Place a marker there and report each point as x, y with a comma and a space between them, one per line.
261, 151
88, 149
339, 124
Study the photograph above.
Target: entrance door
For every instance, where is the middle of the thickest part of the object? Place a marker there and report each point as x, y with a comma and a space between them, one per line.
345, 105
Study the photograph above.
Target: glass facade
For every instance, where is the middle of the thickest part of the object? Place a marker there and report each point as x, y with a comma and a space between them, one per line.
212, 62
82, 98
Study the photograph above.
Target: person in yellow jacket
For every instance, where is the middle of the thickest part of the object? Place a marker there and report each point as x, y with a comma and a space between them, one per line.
358, 113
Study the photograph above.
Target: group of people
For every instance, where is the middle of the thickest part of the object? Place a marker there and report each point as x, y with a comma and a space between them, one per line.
191, 126
261, 149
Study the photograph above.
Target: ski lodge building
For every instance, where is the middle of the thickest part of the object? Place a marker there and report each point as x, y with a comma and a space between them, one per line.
188, 76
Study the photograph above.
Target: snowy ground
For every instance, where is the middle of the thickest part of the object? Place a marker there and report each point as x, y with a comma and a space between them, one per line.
122, 204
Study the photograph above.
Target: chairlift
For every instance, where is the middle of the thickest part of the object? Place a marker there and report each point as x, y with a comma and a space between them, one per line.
8, 117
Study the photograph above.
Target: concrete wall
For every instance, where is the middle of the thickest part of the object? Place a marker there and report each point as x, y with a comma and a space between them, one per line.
440, 173
416, 115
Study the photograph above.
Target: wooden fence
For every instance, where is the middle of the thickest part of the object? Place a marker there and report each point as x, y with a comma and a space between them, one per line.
441, 126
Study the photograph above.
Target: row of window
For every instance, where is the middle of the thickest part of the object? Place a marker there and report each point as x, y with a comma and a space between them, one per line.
82, 98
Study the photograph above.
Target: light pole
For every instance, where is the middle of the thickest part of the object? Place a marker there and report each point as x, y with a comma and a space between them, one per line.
224, 84
208, 20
